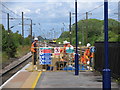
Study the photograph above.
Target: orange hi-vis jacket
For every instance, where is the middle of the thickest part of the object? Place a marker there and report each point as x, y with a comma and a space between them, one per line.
87, 52
64, 50
83, 60
92, 55
32, 47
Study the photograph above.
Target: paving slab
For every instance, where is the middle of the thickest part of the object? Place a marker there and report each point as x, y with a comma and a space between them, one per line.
69, 80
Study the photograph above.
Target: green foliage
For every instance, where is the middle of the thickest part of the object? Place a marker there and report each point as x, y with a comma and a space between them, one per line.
8, 44
92, 30
11, 41
65, 35
27, 41
18, 39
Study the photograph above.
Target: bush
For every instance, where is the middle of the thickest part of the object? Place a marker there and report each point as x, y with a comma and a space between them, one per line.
8, 44
11, 41
27, 41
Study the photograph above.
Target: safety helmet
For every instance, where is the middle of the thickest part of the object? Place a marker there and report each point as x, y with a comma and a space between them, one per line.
67, 42
88, 45
36, 39
64, 42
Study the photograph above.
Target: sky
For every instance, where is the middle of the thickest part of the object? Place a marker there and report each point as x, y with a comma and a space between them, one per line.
51, 17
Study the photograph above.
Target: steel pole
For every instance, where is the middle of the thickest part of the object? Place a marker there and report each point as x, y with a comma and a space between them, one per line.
22, 25
31, 31
106, 70
70, 30
76, 55
8, 22
86, 27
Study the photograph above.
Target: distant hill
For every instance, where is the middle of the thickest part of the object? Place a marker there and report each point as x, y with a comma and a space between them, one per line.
95, 31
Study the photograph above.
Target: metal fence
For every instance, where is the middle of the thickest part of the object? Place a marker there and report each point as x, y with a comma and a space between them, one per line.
114, 58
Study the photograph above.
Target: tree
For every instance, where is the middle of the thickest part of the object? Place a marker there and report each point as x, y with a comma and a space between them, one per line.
8, 44
95, 31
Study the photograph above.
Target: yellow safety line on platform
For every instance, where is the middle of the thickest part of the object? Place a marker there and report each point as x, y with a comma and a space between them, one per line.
36, 80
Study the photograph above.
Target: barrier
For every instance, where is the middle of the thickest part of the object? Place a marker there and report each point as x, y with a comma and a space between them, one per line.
55, 59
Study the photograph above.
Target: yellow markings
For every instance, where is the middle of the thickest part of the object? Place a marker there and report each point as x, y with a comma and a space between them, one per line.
36, 80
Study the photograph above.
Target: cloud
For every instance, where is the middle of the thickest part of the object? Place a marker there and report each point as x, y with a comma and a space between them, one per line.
18, 10
109, 10
55, 11
37, 11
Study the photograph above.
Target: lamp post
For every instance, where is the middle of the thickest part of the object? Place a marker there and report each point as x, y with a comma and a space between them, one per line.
106, 70
76, 53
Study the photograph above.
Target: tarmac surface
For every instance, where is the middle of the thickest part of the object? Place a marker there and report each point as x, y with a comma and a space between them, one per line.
86, 79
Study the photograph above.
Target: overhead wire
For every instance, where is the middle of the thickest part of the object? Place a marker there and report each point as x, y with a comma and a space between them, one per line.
9, 9
11, 16
96, 8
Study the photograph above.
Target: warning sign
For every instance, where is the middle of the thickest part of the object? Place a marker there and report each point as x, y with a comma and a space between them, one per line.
70, 49
45, 56
57, 50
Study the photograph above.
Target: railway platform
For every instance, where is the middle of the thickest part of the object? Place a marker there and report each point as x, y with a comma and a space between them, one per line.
25, 79
22, 79
52, 74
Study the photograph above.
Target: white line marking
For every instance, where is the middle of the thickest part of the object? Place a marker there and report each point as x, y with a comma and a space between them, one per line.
9, 80
23, 69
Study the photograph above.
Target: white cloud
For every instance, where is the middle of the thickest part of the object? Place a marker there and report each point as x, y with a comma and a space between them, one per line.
52, 15
58, 4
18, 10
37, 11
109, 10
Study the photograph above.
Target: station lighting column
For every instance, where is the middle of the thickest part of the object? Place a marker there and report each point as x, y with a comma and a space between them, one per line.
76, 53
106, 70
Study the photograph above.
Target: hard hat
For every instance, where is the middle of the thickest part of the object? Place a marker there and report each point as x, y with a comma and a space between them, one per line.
64, 42
67, 42
36, 39
88, 44
80, 42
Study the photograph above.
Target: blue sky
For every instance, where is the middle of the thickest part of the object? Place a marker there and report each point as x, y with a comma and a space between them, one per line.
49, 16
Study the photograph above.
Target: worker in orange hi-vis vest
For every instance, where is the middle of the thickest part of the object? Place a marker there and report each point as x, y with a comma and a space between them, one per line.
34, 52
92, 55
69, 53
65, 45
63, 50
83, 60
87, 55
